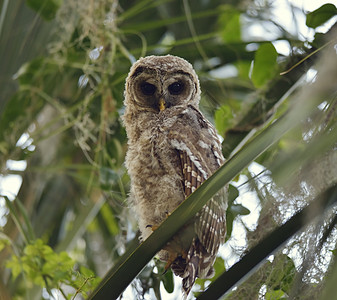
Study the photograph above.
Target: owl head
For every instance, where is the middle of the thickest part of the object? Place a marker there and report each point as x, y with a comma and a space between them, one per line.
158, 83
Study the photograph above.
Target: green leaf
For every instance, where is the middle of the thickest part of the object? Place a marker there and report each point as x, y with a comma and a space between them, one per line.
321, 15
46, 8
233, 210
222, 118
40, 263
233, 193
168, 281
265, 65
243, 67
229, 23
275, 295
229, 224
319, 40
86, 272
15, 265
238, 209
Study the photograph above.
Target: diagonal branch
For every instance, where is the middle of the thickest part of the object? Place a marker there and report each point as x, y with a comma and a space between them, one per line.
119, 278
256, 256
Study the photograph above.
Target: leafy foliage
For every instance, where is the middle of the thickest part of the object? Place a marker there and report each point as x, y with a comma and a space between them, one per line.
62, 98
321, 15
265, 65
45, 268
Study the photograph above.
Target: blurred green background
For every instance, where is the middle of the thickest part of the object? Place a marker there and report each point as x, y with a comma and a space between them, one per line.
64, 216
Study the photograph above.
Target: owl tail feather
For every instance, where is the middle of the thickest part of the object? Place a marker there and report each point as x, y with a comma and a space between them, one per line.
199, 263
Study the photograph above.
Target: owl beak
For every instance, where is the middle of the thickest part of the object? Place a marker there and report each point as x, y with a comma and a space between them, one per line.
161, 104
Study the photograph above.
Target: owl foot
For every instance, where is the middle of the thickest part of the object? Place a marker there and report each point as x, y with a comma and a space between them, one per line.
153, 227
175, 259
169, 262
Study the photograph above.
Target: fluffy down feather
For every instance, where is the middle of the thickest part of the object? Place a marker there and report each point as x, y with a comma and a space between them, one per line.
172, 149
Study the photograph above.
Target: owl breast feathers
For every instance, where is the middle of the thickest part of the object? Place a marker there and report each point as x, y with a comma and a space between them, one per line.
172, 149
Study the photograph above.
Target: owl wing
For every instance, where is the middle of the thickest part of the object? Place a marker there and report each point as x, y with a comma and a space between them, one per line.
200, 155
210, 225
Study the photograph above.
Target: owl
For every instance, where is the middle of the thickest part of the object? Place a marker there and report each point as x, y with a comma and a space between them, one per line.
172, 149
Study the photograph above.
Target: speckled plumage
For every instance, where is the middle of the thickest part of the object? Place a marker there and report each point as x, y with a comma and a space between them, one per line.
172, 149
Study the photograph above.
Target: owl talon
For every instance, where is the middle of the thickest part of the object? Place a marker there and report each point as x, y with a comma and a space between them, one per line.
153, 227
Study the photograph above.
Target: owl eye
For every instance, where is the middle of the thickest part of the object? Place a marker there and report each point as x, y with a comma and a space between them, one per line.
148, 89
176, 88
